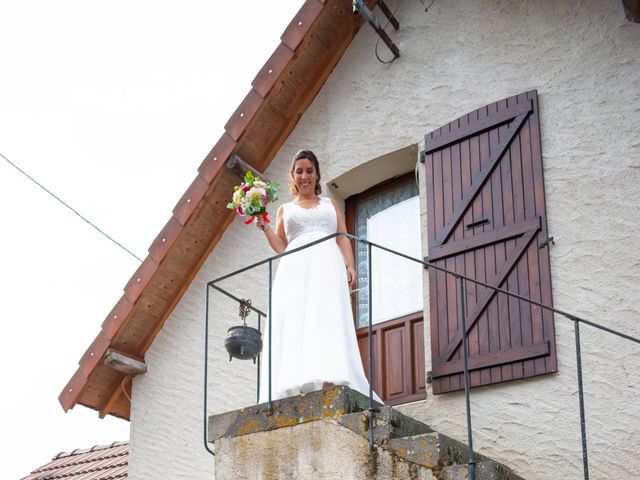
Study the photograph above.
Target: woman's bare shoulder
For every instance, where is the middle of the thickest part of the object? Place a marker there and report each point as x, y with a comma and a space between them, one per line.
282, 207
285, 205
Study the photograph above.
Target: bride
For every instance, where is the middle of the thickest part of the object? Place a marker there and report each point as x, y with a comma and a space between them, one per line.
313, 341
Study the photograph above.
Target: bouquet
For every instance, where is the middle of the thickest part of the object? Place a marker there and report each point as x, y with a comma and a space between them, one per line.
252, 197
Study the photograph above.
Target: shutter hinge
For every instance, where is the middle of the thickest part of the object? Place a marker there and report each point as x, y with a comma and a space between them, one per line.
423, 156
429, 377
426, 260
547, 242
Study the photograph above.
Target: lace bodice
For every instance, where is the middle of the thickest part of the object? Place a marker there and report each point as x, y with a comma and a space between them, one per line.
319, 221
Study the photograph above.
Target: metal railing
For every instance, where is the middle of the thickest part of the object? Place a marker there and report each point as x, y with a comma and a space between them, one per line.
461, 279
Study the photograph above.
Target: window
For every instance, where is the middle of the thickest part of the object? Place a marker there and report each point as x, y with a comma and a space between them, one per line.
390, 218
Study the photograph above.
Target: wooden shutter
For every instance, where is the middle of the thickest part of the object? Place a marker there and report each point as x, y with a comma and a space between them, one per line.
486, 219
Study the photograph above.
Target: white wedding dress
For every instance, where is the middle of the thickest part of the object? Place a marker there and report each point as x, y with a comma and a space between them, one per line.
313, 334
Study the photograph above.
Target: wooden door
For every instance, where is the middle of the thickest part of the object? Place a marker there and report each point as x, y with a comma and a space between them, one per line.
486, 219
398, 334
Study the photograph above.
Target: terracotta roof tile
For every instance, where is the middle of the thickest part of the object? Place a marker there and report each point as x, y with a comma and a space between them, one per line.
164, 240
243, 114
106, 462
72, 389
269, 73
190, 200
216, 158
116, 317
140, 279
94, 353
295, 32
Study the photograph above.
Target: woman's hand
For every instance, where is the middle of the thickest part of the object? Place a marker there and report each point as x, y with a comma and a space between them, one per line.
352, 277
261, 224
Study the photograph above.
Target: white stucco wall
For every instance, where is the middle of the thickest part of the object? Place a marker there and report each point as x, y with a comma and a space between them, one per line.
584, 60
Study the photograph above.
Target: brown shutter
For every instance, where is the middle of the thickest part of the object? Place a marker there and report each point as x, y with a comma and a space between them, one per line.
486, 219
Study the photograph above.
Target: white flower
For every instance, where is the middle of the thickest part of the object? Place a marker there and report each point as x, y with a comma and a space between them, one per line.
256, 193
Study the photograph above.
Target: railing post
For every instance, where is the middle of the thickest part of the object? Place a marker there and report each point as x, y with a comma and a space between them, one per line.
370, 346
206, 370
583, 425
270, 329
258, 368
467, 395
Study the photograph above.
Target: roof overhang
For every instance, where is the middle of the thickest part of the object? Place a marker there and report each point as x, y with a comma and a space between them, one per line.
310, 48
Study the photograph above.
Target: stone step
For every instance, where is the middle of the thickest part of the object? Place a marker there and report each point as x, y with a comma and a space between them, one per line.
447, 457
417, 443
485, 470
333, 402
401, 442
388, 424
432, 450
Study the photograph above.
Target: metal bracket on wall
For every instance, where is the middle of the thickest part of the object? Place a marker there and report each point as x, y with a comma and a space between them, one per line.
240, 167
360, 7
389, 14
547, 242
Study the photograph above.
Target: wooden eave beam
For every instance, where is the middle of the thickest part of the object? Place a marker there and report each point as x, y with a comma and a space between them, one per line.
115, 397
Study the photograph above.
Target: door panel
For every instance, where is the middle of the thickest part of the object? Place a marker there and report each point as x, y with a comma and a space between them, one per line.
398, 349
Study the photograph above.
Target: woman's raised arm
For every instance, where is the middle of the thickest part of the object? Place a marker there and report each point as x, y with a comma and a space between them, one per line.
278, 239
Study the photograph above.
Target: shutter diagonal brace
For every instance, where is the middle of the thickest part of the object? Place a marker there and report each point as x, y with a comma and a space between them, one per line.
484, 239
512, 257
476, 127
480, 179
492, 359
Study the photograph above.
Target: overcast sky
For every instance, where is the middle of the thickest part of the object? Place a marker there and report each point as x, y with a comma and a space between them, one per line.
112, 106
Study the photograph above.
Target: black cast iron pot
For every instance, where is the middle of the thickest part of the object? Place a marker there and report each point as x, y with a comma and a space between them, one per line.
243, 342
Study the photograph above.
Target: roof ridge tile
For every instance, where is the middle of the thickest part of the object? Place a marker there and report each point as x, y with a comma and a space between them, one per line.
94, 448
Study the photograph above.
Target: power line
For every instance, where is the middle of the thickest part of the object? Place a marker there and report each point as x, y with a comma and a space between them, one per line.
70, 208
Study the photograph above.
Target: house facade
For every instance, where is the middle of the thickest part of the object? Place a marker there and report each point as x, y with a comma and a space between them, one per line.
570, 74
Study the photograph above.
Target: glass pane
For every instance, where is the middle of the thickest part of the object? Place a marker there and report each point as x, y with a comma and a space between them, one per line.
391, 219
